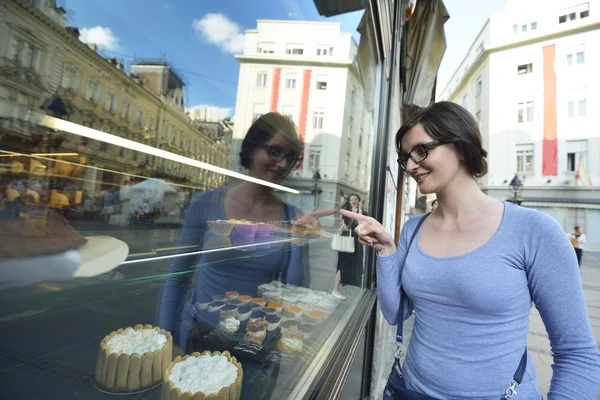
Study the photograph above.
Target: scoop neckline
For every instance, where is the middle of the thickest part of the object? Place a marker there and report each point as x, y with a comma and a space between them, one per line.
469, 253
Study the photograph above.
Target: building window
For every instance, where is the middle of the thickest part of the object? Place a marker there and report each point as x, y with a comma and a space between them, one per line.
324, 50
259, 111
140, 118
515, 29
360, 139
478, 87
294, 49
314, 157
291, 81
92, 91
69, 79
577, 103
318, 119
525, 158
465, 101
524, 28
534, 26
576, 55
525, 69
350, 127
126, 113
574, 13
347, 167
577, 155
261, 79
353, 95
525, 112
265, 48
290, 113
321, 82
111, 102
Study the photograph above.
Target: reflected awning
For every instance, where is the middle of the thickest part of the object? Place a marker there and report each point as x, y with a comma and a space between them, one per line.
426, 44
329, 8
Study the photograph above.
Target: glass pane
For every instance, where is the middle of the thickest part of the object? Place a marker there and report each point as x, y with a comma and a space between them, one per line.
581, 104
181, 171
581, 57
571, 109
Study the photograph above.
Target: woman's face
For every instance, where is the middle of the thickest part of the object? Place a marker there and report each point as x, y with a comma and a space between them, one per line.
264, 167
441, 166
354, 202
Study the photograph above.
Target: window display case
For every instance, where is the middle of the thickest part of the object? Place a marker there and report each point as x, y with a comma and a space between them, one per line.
159, 249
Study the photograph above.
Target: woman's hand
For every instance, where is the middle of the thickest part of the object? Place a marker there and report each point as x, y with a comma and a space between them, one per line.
311, 220
371, 233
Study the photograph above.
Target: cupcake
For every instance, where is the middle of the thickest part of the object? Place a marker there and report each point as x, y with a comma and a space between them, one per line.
263, 230
219, 297
244, 312
307, 330
316, 315
288, 316
229, 319
235, 302
202, 305
253, 306
232, 295
291, 338
277, 306
216, 306
245, 299
256, 330
220, 227
245, 230
297, 311
260, 301
270, 311
273, 322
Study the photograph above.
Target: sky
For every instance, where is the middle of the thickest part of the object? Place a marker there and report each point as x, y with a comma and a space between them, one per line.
199, 38
467, 18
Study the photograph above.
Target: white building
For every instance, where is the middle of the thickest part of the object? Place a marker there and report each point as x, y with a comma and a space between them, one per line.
308, 72
531, 79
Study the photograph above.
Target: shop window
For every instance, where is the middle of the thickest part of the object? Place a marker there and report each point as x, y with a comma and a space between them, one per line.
525, 158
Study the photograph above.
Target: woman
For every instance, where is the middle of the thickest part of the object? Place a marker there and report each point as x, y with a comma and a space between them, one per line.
578, 239
349, 265
269, 151
473, 270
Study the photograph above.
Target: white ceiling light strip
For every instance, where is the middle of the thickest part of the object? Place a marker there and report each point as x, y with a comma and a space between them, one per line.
80, 130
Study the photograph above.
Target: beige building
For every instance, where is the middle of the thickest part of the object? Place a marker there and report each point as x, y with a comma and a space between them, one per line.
44, 64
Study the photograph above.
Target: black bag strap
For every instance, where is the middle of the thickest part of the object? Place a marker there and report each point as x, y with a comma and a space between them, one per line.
519, 373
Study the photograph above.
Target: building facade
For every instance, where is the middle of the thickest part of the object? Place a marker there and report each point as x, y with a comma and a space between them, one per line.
308, 72
533, 86
43, 64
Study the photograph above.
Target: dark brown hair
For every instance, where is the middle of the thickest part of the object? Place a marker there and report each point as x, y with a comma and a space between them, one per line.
452, 124
262, 130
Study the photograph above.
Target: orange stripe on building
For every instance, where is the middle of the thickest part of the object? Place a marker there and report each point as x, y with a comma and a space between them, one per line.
550, 144
302, 120
275, 89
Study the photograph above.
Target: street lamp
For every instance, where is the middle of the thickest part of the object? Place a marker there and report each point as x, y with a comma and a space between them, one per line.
516, 186
316, 189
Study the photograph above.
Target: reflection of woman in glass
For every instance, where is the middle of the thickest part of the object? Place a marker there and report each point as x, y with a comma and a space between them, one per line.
269, 151
349, 265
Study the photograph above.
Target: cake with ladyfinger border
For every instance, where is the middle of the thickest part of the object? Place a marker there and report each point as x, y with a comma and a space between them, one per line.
203, 376
132, 359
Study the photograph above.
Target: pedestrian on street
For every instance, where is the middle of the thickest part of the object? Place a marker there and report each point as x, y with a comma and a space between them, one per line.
471, 274
349, 265
578, 239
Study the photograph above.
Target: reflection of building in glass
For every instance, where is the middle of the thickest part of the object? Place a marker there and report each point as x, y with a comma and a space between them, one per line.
530, 79
43, 63
308, 72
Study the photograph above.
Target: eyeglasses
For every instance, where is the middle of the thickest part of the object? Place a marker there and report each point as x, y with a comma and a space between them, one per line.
417, 154
278, 154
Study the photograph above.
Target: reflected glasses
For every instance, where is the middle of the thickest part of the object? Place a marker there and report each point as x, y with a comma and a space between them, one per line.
278, 154
418, 154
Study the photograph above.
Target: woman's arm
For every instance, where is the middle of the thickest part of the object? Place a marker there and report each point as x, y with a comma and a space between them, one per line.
180, 269
556, 290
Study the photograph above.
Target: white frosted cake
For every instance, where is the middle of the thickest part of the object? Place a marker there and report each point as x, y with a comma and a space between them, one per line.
132, 359
200, 376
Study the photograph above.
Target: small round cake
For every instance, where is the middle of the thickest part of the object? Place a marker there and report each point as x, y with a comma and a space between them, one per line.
133, 359
199, 376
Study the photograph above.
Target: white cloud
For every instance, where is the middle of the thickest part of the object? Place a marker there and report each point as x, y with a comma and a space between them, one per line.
205, 112
102, 37
219, 30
